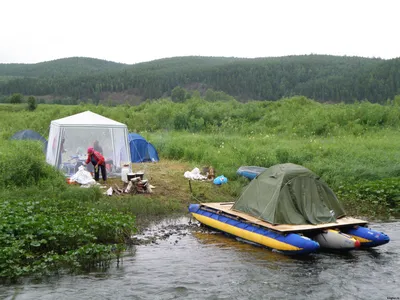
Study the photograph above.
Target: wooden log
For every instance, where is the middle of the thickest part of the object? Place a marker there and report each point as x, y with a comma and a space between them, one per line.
135, 179
190, 187
117, 189
129, 187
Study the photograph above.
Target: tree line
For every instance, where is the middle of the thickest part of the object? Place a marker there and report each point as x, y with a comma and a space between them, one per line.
323, 78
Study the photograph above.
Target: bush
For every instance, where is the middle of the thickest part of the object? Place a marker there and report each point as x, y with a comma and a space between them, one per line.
32, 103
16, 98
22, 163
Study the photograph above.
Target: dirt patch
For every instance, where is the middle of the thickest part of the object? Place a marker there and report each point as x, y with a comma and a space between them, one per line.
167, 178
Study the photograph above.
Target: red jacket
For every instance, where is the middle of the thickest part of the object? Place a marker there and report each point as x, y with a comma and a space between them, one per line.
97, 157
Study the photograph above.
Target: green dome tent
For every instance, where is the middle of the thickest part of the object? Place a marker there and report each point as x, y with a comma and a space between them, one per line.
289, 194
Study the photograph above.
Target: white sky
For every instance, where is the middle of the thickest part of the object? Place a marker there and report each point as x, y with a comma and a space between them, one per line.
132, 31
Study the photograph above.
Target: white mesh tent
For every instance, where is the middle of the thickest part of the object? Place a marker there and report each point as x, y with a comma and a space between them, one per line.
70, 137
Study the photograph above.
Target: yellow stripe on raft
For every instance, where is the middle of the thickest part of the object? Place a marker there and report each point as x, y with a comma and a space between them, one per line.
245, 234
360, 239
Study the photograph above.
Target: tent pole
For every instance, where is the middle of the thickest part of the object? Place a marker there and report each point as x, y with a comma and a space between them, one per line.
113, 145
127, 149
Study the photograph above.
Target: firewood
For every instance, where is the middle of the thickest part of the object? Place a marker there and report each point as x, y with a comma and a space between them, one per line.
135, 179
129, 187
117, 189
149, 190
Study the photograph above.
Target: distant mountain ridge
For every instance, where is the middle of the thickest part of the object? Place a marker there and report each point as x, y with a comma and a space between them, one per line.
320, 77
60, 67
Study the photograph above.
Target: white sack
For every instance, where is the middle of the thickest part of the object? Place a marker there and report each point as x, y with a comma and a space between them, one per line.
83, 177
194, 175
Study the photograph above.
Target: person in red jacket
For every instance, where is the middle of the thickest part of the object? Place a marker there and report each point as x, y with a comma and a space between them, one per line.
97, 159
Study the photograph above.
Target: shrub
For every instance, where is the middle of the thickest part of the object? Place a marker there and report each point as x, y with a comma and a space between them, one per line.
22, 163
32, 103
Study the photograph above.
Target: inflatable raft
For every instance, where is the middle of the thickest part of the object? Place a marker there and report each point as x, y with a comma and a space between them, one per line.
343, 235
289, 209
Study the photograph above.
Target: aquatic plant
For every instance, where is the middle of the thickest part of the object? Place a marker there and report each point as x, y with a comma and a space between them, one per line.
47, 225
375, 199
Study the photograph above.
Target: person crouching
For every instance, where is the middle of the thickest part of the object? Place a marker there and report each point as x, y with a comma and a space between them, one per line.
97, 159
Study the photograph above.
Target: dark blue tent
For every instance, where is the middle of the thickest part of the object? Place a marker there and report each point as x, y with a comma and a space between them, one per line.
141, 150
29, 134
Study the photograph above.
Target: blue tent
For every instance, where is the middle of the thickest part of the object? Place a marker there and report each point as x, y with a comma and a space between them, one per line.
29, 134
250, 172
141, 150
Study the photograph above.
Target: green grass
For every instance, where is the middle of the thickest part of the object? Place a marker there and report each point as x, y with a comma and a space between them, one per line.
339, 160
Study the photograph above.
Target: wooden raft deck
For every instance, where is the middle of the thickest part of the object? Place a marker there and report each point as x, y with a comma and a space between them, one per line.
226, 208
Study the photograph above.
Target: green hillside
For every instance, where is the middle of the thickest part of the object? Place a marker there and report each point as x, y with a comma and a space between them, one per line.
324, 78
72, 66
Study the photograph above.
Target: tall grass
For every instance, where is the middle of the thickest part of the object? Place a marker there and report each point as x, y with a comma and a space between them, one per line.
344, 143
297, 116
341, 142
339, 160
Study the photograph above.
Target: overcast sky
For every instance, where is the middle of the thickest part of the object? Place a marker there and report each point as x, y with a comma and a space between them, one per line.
132, 31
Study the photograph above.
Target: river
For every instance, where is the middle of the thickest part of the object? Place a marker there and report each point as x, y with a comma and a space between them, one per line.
189, 262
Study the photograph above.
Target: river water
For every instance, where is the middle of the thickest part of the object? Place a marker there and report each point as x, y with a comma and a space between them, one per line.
186, 261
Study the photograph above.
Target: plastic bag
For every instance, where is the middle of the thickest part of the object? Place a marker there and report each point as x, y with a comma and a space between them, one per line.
194, 175
83, 177
220, 180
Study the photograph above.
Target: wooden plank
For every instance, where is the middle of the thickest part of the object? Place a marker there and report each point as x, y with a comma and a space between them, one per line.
226, 208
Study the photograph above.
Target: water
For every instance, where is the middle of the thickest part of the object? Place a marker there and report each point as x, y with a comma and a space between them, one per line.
188, 262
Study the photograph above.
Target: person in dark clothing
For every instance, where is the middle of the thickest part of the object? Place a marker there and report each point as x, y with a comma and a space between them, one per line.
97, 159
97, 147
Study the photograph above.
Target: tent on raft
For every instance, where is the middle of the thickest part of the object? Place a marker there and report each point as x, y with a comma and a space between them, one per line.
70, 137
289, 194
141, 149
28, 134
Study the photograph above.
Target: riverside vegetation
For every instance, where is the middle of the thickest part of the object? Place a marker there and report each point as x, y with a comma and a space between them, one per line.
48, 226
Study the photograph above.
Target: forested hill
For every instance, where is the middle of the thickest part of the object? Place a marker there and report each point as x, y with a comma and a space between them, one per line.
71, 67
320, 77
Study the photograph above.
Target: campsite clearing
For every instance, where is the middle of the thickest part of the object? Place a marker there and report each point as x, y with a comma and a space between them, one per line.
167, 178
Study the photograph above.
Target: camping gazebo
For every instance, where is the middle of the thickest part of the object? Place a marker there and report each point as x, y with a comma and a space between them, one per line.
70, 137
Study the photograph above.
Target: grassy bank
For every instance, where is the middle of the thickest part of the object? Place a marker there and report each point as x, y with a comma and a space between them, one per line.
49, 225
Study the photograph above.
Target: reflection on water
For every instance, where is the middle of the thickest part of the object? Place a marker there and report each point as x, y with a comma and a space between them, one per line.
243, 250
189, 262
